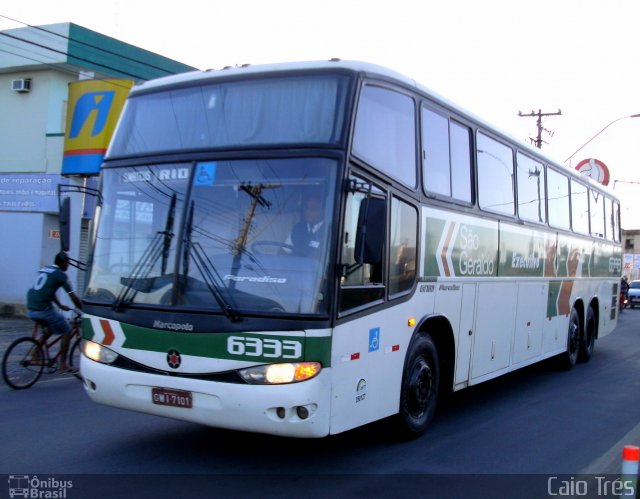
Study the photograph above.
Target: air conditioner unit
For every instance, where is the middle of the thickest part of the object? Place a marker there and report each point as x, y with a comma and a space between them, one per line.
23, 85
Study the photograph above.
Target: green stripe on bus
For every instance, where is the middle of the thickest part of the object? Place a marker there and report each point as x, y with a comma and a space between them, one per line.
251, 347
87, 329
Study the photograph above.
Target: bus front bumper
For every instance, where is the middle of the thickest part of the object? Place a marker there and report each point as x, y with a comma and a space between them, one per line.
296, 409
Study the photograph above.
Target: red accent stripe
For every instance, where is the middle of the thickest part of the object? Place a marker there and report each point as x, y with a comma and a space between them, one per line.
108, 333
82, 152
445, 250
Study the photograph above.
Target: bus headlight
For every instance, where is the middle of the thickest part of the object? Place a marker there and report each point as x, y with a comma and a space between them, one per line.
276, 374
98, 353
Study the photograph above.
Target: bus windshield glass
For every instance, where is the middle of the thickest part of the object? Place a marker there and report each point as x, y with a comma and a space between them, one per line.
233, 237
256, 112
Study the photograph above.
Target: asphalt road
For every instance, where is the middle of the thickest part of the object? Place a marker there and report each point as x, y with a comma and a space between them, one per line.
504, 438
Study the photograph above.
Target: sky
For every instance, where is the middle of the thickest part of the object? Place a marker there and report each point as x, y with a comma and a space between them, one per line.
494, 58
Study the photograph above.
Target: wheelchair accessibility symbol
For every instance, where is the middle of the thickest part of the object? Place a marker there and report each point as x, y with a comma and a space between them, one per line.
205, 174
374, 339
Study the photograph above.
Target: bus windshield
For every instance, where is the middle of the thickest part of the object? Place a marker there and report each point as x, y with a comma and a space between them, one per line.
234, 237
291, 110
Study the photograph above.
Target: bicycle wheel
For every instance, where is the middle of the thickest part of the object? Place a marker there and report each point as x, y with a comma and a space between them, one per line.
75, 352
22, 363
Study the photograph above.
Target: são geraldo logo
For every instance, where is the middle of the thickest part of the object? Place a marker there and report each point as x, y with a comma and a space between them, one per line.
35, 487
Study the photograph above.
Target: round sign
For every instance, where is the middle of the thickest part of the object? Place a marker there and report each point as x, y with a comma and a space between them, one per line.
594, 169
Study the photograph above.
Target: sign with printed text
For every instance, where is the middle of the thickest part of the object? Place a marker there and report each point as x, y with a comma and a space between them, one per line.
29, 192
94, 109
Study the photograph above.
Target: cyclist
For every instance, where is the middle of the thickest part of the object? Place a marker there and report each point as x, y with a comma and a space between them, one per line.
624, 290
42, 296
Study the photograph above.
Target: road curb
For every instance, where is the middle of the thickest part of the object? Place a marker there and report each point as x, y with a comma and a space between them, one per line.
611, 461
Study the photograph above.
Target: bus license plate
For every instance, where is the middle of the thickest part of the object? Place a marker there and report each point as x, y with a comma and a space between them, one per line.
173, 398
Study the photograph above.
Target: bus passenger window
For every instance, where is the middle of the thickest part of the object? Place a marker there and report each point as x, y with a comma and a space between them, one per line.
579, 207
385, 133
615, 220
402, 247
531, 181
460, 162
447, 158
596, 210
495, 176
558, 199
435, 146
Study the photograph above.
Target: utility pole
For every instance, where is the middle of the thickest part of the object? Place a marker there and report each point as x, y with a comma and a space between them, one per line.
539, 115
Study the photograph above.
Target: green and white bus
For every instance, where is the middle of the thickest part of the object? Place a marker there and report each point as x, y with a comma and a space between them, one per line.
302, 249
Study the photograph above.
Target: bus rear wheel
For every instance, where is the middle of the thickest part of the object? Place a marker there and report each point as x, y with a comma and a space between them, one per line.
588, 339
420, 387
570, 357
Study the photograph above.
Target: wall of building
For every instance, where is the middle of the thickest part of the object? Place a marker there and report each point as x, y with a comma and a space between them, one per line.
21, 250
32, 133
631, 251
22, 139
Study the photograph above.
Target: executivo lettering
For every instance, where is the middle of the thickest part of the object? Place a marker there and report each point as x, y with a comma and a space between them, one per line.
525, 262
173, 326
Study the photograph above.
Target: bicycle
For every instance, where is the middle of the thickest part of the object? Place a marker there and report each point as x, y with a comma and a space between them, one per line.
27, 357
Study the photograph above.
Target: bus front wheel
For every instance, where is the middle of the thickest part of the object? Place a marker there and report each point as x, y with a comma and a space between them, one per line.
420, 387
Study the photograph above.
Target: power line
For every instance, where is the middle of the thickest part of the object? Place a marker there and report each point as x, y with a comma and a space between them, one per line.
52, 65
67, 54
79, 42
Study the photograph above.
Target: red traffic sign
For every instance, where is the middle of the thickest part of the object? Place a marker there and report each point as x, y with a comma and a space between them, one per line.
594, 169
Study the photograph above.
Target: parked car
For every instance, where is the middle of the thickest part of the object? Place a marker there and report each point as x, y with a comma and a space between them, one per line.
634, 294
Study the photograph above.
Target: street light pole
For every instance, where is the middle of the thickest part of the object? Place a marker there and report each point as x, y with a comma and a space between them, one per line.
588, 141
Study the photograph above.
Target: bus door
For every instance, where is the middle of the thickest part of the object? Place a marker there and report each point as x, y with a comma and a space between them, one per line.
465, 333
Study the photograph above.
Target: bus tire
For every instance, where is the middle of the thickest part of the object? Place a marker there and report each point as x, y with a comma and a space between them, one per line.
588, 339
420, 387
23, 363
570, 357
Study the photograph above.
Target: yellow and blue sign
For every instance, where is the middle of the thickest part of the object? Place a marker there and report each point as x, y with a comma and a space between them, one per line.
93, 112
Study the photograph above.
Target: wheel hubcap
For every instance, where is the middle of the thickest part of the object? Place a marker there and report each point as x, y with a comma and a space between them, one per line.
420, 387
573, 337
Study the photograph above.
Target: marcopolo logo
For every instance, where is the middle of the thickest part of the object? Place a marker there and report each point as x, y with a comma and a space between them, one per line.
173, 326
37, 487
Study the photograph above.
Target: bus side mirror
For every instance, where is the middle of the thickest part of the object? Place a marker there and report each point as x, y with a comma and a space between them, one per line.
64, 217
371, 234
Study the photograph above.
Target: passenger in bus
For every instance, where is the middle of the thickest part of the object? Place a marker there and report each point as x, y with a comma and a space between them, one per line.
308, 234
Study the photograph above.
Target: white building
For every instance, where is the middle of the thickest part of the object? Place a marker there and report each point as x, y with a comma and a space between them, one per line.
631, 251
37, 64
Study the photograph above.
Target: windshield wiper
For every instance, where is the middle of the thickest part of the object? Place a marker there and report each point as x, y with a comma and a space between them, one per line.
137, 280
207, 270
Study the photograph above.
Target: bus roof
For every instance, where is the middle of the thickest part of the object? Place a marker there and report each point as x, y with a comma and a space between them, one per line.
356, 67
261, 69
